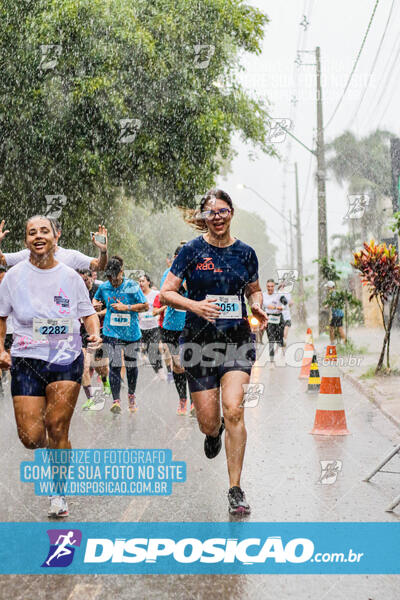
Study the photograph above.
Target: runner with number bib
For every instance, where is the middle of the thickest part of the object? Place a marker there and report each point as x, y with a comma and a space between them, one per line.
149, 328
46, 299
274, 308
217, 346
121, 333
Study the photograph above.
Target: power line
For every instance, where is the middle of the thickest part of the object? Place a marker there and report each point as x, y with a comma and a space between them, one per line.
390, 98
373, 65
387, 80
354, 66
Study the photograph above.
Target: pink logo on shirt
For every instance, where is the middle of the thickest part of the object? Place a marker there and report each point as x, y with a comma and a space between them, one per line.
62, 302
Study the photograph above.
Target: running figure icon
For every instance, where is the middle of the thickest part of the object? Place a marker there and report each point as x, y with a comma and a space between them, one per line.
62, 549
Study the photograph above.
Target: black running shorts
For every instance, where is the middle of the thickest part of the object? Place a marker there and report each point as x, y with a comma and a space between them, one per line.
208, 354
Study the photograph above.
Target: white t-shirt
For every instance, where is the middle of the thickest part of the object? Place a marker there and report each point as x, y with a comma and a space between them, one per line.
28, 292
71, 258
271, 299
146, 319
9, 324
286, 309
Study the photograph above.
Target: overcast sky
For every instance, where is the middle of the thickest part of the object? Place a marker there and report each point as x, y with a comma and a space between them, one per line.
338, 28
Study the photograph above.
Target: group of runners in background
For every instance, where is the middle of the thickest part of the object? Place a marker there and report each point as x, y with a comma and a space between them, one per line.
62, 325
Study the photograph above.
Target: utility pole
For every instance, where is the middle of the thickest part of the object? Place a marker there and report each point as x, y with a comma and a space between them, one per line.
321, 180
291, 239
301, 308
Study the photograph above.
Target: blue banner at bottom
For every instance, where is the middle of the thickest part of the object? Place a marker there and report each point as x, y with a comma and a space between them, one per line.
194, 548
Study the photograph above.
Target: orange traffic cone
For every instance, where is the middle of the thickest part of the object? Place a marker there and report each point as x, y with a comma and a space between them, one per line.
330, 417
330, 353
309, 338
307, 356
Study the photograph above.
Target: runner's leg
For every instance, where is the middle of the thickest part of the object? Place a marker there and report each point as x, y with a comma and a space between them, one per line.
208, 411
235, 430
29, 416
61, 401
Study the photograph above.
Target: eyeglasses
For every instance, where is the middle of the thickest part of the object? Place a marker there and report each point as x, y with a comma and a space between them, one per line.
209, 215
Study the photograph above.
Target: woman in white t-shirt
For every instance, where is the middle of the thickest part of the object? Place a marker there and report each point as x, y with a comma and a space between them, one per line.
149, 327
46, 299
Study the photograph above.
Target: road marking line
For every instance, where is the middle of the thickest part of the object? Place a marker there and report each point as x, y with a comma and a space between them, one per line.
183, 433
85, 590
133, 512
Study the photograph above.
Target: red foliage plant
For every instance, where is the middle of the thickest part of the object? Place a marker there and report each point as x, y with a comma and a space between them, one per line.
378, 265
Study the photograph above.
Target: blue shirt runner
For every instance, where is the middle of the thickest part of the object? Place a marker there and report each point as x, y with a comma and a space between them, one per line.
118, 324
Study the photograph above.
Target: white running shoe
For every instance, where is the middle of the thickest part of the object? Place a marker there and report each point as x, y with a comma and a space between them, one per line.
58, 507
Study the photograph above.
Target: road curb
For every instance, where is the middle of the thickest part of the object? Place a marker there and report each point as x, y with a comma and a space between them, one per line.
370, 394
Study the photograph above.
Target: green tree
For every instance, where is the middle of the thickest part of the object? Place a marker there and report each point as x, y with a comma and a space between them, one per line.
72, 70
364, 165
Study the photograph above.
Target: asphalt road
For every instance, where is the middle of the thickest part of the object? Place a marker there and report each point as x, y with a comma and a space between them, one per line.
281, 478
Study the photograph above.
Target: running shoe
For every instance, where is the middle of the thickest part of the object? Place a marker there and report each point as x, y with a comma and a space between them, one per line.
88, 404
116, 407
132, 403
170, 377
58, 507
107, 387
238, 504
182, 406
213, 445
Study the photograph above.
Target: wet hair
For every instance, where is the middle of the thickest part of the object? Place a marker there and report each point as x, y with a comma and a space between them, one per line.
56, 223
52, 226
118, 258
271, 281
179, 248
146, 276
192, 217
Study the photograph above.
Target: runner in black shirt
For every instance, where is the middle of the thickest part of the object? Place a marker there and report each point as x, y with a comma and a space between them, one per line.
219, 271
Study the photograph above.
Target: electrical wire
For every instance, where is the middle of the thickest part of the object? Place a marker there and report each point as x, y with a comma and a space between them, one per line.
386, 82
391, 96
354, 66
373, 65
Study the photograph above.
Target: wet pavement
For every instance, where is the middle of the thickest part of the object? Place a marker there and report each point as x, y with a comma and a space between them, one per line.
281, 478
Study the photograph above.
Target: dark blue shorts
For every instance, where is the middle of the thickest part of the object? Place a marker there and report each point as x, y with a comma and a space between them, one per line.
210, 353
336, 322
31, 376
